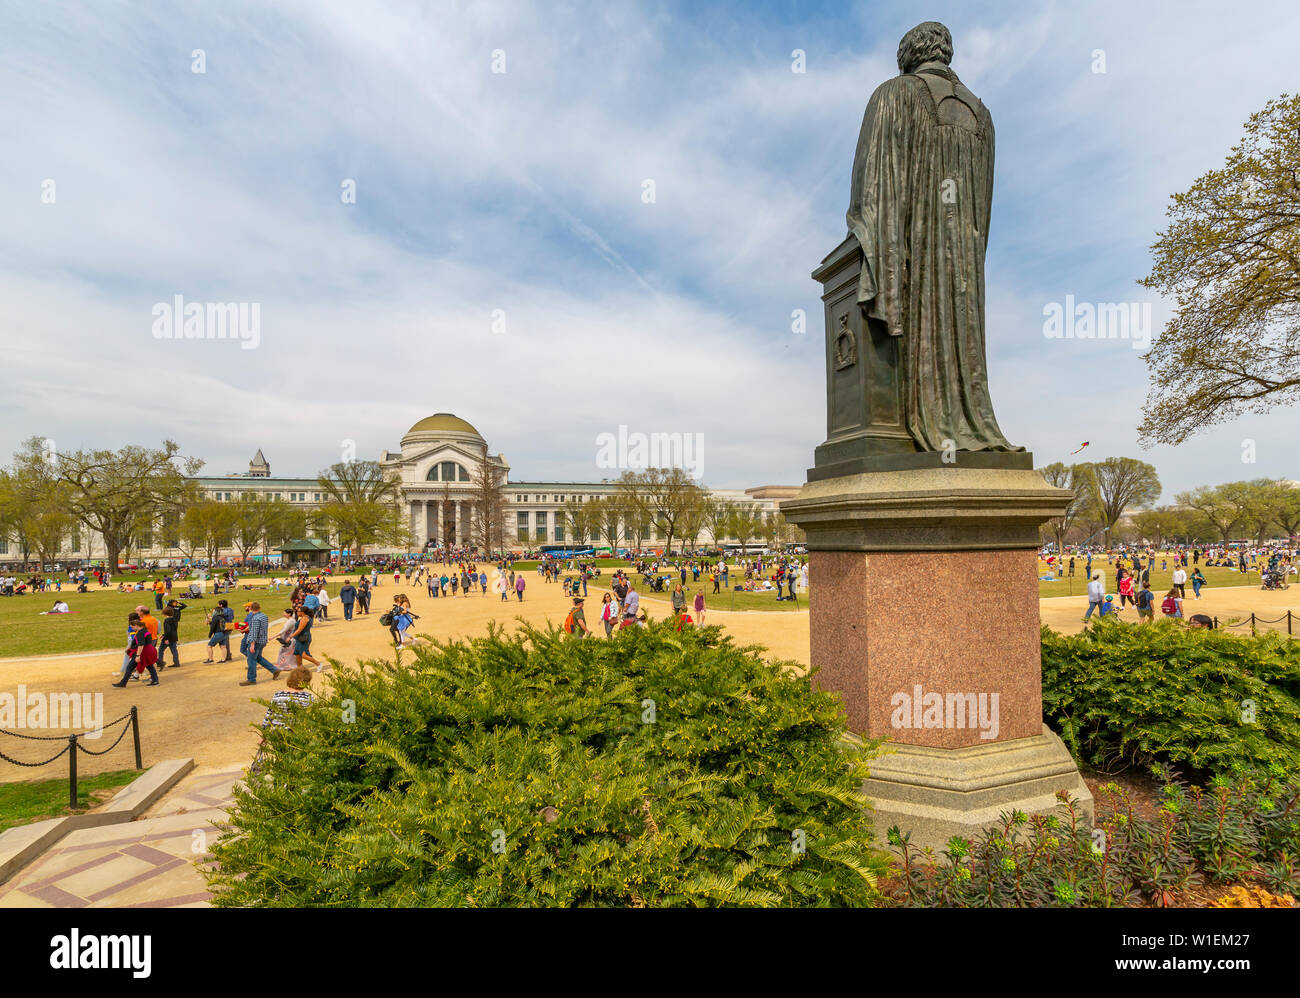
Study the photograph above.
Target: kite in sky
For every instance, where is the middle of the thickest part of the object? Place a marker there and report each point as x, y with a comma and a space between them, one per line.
1081, 447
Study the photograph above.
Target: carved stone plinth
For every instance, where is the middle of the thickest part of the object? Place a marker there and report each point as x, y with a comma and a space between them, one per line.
924, 617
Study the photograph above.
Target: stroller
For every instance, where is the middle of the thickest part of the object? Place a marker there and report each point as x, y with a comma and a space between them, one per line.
1274, 579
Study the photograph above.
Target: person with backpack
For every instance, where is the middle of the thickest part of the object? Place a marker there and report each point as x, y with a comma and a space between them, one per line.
576, 622
1172, 605
1146, 604
1198, 580
218, 620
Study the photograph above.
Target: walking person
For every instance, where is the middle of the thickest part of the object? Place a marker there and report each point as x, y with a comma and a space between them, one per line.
631, 604
1198, 580
1180, 580
363, 595
255, 639
699, 605
679, 600
218, 622
286, 661
608, 613
1096, 591
348, 597
519, 586
302, 638
170, 628
576, 623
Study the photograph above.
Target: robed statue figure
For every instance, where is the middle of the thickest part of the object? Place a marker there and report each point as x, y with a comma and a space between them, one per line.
921, 195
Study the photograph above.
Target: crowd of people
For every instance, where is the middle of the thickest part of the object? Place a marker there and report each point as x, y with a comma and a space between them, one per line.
1133, 567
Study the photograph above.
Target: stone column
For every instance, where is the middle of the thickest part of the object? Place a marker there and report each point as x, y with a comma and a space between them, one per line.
923, 615
455, 533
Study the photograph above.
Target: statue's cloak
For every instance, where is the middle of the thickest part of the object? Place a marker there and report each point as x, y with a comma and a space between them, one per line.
921, 197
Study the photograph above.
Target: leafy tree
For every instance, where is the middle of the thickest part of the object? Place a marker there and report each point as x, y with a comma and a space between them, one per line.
488, 503
113, 492
661, 496
1117, 483
1230, 261
1222, 506
575, 517
717, 516
1074, 478
610, 515
358, 499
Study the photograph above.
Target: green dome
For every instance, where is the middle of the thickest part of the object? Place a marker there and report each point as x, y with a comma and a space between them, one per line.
442, 422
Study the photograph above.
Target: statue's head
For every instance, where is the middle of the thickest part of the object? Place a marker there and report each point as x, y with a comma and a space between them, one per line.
927, 42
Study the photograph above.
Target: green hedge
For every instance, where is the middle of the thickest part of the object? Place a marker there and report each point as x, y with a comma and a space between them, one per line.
655, 769
1136, 694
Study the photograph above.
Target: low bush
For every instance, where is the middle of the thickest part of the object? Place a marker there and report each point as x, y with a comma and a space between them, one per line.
1241, 828
654, 769
1123, 694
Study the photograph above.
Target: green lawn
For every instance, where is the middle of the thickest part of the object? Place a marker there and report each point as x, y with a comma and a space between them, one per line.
98, 617
1160, 581
24, 803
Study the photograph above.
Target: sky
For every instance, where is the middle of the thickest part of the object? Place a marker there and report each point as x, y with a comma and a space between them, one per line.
557, 219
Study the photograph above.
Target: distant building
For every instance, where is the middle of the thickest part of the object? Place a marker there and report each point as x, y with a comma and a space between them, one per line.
436, 462
259, 467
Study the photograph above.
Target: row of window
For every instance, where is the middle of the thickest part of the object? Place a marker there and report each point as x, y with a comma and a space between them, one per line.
293, 496
554, 498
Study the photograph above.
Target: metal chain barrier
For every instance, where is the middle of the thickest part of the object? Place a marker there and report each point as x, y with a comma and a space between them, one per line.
73, 742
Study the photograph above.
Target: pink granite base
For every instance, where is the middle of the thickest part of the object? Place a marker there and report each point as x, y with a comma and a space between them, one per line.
963, 622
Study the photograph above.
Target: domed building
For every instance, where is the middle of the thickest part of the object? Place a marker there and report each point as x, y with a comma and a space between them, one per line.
438, 465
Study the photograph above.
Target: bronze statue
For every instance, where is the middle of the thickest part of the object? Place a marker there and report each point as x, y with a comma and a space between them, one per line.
921, 196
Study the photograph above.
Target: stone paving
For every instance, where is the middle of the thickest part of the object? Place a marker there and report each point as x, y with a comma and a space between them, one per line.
147, 863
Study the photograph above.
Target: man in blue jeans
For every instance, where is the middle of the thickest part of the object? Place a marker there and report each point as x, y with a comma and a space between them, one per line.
254, 642
1096, 591
348, 596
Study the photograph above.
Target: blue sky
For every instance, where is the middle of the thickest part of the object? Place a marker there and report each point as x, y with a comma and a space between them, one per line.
522, 191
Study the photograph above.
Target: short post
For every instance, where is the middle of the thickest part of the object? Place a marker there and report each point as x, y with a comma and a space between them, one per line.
1288, 623
1253, 632
72, 772
135, 734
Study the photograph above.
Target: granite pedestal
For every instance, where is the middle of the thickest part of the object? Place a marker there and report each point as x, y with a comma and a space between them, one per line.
924, 618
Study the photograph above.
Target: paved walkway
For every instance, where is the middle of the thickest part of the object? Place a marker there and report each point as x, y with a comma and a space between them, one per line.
147, 863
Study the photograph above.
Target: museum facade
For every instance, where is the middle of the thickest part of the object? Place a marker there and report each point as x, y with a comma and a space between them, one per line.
437, 464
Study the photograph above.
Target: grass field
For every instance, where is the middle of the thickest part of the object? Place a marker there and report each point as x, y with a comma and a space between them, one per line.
98, 618
1160, 581
24, 803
